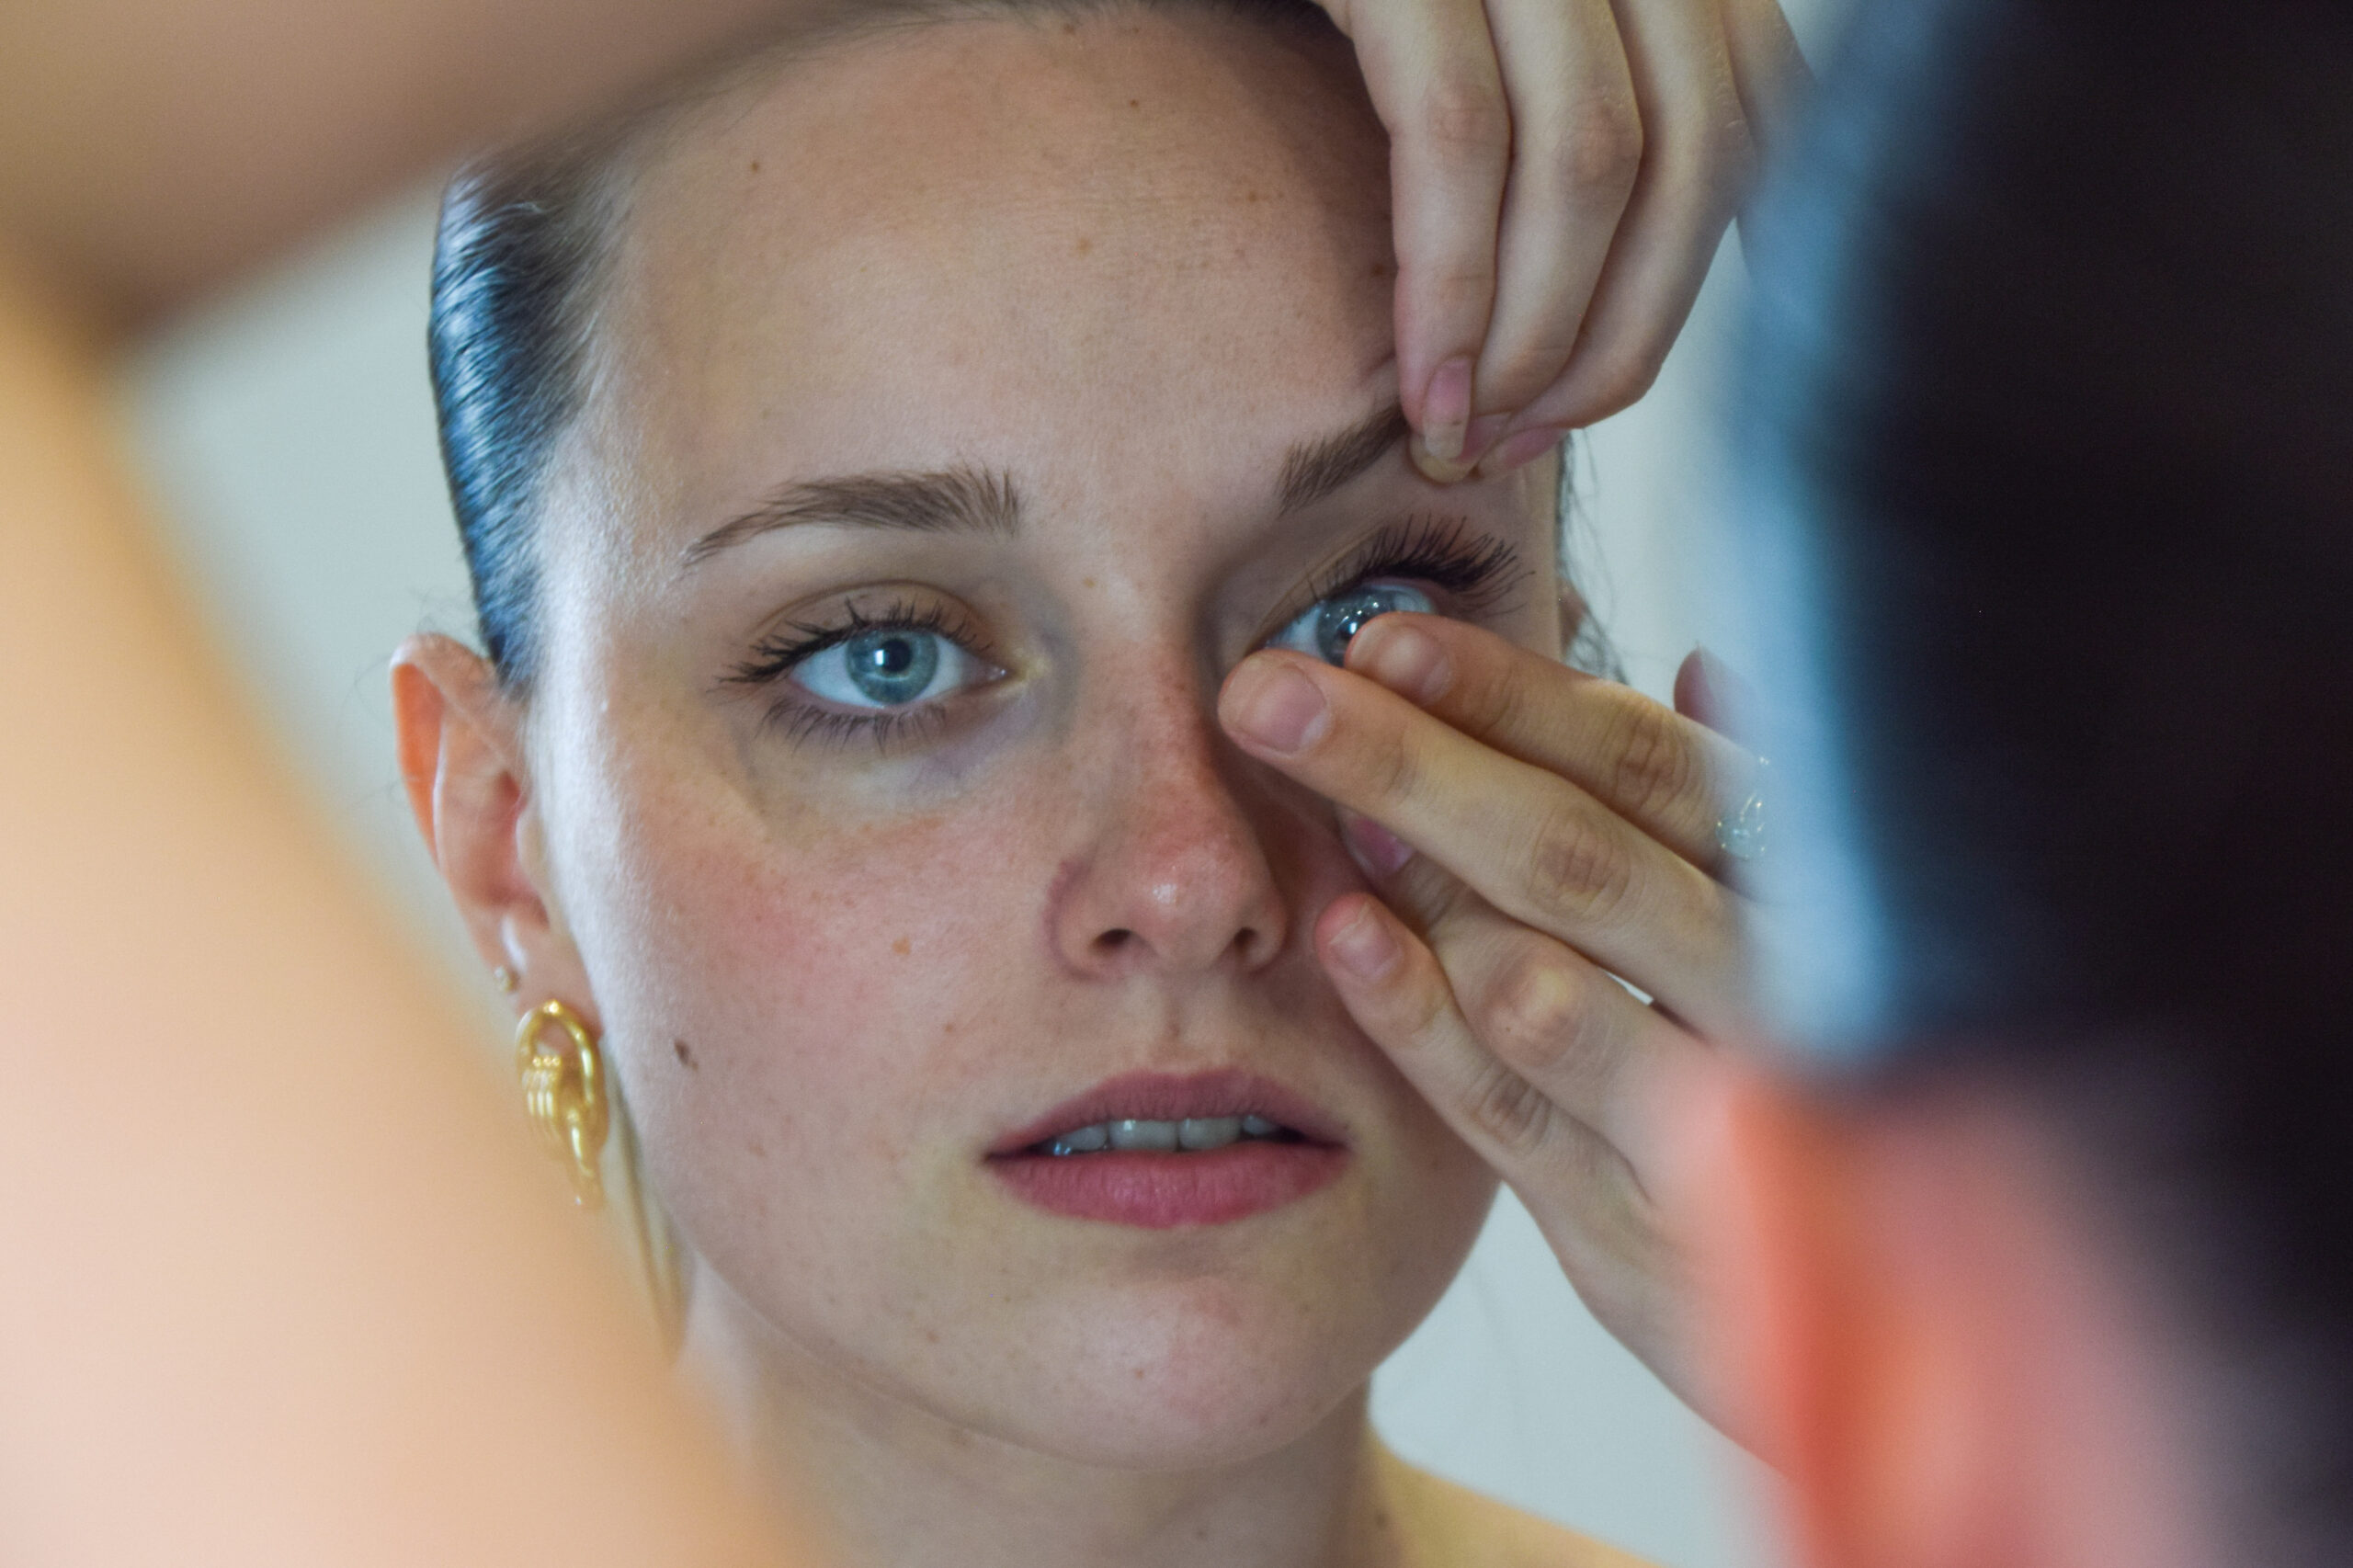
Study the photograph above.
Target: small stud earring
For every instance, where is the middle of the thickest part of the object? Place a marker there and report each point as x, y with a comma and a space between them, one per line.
504, 978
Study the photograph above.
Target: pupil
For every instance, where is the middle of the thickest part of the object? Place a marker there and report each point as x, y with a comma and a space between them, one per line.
1344, 615
892, 667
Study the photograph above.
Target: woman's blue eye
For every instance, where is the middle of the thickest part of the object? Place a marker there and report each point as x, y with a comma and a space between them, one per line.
889, 666
1327, 626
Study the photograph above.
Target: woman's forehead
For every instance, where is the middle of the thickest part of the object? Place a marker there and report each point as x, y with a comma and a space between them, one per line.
1093, 233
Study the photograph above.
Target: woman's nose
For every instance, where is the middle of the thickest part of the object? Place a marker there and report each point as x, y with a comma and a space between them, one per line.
1173, 875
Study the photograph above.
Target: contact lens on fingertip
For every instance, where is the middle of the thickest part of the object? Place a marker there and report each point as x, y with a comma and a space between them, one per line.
1327, 626
1342, 616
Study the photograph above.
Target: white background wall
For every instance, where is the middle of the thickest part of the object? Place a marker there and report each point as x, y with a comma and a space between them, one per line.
288, 431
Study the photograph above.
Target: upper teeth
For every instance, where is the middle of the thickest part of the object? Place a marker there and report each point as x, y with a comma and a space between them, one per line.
1193, 1132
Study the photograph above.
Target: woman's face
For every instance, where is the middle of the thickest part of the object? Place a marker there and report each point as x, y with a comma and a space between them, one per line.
966, 404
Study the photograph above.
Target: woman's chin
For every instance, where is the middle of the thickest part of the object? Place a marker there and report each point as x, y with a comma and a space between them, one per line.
1177, 1375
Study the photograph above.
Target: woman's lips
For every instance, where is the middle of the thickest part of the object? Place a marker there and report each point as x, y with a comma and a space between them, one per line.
1162, 1190
1159, 1192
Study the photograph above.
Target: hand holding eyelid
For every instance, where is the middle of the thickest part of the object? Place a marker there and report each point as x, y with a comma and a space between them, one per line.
1565, 833
1564, 171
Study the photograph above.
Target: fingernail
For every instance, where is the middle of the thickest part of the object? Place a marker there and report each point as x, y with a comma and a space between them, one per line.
1436, 469
1522, 447
1275, 707
1405, 659
1364, 947
1377, 851
1445, 407
1483, 433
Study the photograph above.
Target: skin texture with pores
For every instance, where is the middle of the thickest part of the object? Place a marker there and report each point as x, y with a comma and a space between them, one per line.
1129, 264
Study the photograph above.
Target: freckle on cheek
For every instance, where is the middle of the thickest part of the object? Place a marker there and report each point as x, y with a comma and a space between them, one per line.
901, 947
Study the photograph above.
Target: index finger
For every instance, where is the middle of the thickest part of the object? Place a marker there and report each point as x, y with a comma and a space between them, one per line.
1666, 775
1536, 845
1430, 68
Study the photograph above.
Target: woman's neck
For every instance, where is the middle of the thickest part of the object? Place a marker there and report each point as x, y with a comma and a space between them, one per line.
889, 1486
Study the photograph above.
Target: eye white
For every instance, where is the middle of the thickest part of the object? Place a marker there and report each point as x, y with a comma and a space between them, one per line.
1325, 629
889, 667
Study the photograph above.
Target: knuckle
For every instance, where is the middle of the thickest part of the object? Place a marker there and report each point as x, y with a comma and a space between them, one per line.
1427, 897
1619, 383
1599, 149
1535, 1013
1578, 872
1732, 155
1508, 1112
1460, 288
1499, 703
1394, 772
1465, 118
1653, 768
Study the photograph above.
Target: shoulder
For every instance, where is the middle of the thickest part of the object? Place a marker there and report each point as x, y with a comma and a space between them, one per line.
1437, 1523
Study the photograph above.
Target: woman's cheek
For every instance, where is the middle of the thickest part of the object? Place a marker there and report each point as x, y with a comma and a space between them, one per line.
812, 1006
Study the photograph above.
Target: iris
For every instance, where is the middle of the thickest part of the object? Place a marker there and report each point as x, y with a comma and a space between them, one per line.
892, 665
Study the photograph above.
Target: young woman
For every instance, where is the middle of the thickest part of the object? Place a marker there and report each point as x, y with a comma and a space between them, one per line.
872, 465
259, 1313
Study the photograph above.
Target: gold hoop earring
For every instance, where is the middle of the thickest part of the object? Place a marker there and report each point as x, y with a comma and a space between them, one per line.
564, 1094
575, 1106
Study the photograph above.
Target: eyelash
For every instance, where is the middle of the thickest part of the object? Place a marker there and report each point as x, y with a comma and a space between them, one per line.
777, 654
1478, 574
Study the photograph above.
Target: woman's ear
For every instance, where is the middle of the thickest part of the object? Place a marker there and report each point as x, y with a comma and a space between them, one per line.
462, 760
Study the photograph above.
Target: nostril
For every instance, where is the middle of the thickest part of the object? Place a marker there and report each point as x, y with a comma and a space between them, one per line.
1113, 940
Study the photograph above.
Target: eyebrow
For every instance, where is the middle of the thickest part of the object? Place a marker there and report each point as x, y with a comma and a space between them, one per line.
1313, 469
956, 500
986, 501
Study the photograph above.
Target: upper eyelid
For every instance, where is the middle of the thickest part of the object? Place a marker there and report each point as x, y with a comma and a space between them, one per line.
813, 638
1488, 555
1384, 548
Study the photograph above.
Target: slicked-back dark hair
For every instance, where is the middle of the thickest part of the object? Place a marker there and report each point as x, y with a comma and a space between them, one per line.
2049, 438
515, 272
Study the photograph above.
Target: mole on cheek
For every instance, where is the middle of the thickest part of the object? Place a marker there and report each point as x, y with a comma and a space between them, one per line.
686, 1055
